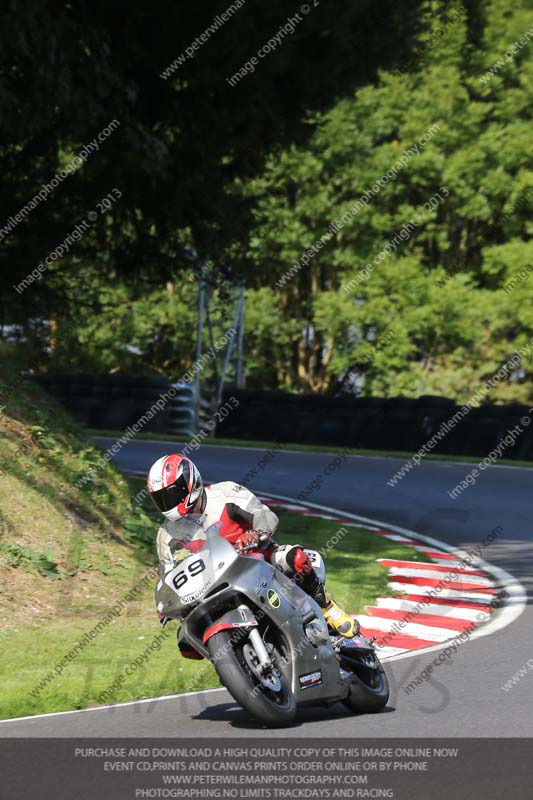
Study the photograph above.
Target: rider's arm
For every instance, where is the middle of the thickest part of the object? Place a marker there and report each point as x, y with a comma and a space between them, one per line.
163, 549
245, 508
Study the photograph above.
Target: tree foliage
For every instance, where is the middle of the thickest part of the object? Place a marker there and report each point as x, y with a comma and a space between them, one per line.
67, 69
253, 176
436, 315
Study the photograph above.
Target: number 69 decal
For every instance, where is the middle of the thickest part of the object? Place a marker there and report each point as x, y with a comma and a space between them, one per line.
194, 568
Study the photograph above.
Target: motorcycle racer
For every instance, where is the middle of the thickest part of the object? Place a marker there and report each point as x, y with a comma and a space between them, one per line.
177, 490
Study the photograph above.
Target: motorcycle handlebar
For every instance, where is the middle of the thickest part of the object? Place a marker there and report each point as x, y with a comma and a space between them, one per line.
263, 538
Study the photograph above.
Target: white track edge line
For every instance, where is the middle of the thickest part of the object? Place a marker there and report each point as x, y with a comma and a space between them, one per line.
114, 705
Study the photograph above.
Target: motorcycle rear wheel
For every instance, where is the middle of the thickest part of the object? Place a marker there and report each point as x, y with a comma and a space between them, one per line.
369, 691
275, 709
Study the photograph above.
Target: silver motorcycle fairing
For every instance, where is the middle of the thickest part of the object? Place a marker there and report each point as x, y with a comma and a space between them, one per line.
217, 554
311, 667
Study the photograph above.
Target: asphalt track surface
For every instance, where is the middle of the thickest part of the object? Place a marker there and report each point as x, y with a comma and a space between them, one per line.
464, 697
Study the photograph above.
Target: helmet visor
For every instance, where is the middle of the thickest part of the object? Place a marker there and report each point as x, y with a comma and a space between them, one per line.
171, 496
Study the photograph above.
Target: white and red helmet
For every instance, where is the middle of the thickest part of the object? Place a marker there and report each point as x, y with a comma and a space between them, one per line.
175, 485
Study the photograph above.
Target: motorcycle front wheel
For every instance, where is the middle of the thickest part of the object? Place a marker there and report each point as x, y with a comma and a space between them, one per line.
272, 704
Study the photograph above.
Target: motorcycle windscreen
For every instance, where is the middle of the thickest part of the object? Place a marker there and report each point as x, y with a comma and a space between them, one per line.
187, 529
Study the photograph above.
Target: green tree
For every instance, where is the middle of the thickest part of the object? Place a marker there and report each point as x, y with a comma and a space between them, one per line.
440, 289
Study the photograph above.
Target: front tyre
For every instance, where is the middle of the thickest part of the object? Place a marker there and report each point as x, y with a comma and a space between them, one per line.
274, 705
369, 691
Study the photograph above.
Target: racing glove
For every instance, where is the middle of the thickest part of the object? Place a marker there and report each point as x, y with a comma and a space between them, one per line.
179, 553
250, 540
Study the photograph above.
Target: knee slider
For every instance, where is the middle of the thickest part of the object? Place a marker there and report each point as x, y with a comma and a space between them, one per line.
291, 559
301, 563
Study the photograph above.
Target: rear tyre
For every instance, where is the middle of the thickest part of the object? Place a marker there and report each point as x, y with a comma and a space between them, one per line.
369, 691
274, 708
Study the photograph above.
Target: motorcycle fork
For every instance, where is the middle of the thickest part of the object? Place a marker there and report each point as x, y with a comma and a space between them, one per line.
261, 652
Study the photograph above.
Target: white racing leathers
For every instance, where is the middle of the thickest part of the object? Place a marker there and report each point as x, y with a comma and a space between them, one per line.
237, 510
229, 504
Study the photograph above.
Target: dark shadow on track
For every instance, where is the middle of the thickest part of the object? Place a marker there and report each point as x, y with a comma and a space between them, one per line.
238, 718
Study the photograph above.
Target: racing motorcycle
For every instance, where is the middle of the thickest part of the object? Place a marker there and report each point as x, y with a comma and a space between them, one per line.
267, 639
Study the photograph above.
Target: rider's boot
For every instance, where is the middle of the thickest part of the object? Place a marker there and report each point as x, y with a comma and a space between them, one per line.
187, 650
338, 619
341, 622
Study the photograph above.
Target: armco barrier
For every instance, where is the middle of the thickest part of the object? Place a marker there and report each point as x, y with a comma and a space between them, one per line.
183, 410
396, 423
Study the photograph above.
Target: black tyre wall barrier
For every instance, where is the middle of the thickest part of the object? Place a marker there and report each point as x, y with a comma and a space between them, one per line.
396, 423
111, 401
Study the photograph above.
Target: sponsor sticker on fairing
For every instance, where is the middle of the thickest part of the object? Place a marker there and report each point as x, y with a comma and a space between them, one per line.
190, 598
273, 598
311, 679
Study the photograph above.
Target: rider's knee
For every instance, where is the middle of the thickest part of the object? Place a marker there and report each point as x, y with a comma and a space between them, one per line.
291, 559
